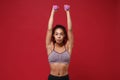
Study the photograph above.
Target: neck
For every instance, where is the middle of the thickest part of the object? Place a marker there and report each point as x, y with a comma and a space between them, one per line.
59, 45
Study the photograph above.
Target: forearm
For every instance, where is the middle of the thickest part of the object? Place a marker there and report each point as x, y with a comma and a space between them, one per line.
69, 22
51, 19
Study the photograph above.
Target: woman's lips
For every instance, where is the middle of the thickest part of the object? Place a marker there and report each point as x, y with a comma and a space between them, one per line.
59, 40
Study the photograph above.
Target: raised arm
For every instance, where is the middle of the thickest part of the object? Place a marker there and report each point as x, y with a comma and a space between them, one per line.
69, 24
50, 24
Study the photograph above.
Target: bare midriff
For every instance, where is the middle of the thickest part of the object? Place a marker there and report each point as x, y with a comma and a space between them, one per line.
59, 69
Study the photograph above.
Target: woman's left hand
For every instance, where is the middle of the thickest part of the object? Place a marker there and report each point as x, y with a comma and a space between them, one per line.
66, 7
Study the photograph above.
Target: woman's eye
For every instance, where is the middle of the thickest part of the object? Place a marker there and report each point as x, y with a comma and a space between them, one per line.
61, 34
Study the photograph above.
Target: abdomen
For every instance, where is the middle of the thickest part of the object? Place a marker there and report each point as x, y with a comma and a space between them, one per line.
59, 69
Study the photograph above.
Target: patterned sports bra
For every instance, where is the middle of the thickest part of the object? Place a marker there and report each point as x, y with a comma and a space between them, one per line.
56, 57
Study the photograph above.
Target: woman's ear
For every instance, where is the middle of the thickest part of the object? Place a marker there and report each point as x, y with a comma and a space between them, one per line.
54, 35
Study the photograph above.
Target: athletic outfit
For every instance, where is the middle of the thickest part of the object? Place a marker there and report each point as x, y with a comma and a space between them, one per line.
52, 77
55, 57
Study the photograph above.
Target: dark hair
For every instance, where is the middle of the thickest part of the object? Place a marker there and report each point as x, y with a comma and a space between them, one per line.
64, 30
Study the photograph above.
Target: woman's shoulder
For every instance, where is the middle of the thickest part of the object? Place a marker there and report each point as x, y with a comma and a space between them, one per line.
50, 45
50, 48
68, 48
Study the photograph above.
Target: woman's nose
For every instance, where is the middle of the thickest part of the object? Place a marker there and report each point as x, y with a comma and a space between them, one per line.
59, 36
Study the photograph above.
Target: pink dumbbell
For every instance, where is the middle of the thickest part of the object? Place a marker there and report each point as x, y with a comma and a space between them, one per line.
55, 7
66, 7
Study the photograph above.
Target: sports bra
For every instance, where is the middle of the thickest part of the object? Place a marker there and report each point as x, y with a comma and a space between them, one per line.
55, 57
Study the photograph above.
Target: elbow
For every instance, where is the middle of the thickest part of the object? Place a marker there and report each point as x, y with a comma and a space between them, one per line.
70, 29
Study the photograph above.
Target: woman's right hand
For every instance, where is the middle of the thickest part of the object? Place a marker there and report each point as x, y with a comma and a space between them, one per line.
55, 7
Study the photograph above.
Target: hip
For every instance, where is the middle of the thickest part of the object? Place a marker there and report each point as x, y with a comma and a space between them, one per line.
56, 77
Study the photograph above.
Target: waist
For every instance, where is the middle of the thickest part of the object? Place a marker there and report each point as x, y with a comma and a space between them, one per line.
59, 76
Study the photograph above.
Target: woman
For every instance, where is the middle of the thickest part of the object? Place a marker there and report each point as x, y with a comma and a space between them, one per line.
59, 43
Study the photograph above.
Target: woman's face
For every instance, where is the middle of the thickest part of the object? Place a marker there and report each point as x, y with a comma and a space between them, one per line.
59, 35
